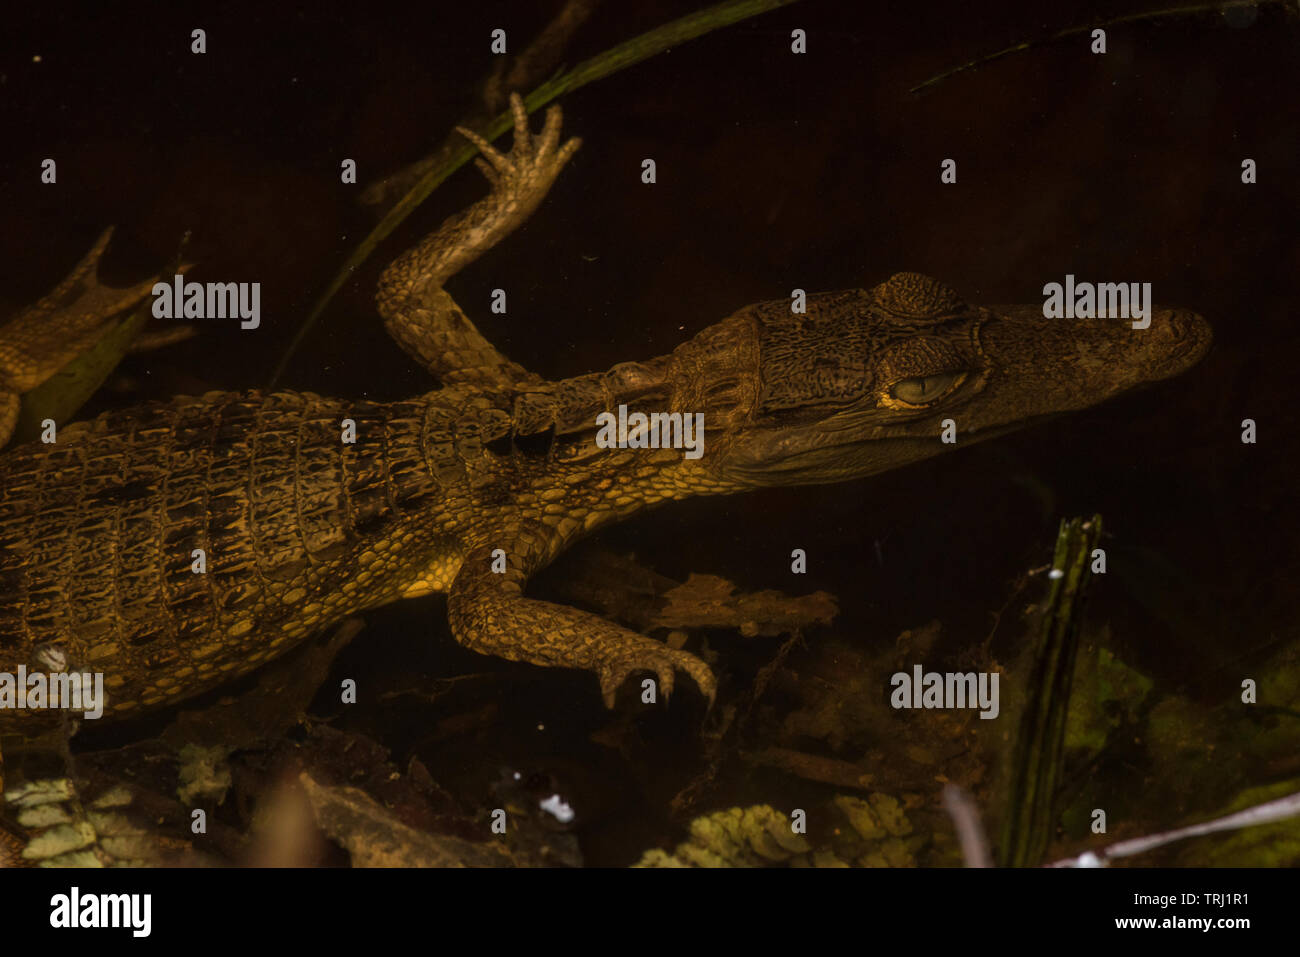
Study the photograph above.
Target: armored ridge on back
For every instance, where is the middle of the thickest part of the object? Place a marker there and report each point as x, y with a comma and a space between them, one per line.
298, 528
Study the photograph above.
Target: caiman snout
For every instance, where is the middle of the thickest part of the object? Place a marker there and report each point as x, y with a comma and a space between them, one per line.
1181, 335
1039, 365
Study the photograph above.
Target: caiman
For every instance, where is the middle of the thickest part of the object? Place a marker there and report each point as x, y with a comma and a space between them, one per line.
471, 488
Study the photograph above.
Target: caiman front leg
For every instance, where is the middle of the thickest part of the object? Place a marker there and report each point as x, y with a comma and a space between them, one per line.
489, 614
42, 339
418, 312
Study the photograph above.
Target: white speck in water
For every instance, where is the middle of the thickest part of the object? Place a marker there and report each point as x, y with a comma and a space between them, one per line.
1056, 573
558, 808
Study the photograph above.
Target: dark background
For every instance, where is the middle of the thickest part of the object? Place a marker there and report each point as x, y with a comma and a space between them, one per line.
775, 171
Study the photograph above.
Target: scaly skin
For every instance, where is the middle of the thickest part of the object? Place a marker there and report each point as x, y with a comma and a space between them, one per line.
301, 529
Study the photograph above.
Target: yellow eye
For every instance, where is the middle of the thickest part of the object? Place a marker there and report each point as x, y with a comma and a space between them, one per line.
924, 389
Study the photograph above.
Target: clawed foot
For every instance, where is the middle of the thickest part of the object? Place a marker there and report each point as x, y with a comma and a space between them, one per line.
649, 655
520, 180
418, 312
42, 339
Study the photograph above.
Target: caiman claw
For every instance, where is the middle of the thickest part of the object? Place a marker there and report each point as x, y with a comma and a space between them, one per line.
650, 655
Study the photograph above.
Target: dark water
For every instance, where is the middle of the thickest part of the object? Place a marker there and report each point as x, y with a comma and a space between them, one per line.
775, 171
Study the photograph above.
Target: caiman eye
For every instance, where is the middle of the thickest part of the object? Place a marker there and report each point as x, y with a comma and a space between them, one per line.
923, 390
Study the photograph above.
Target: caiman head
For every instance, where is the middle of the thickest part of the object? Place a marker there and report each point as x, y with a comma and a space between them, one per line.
864, 380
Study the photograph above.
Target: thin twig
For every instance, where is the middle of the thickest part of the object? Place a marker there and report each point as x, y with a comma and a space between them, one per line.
970, 831
1267, 813
1181, 11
